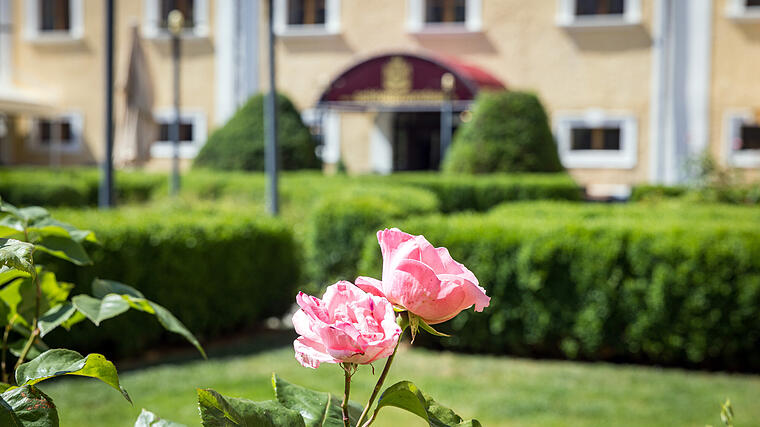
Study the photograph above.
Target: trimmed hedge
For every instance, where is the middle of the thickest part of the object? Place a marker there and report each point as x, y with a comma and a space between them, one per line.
72, 186
217, 269
340, 224
482, 192
509, 132
672, 284
239, 144
747, 194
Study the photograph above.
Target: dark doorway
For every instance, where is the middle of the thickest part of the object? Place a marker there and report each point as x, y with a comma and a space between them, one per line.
416, 141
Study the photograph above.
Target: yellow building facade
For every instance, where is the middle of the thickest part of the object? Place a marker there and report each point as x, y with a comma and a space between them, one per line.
634, 88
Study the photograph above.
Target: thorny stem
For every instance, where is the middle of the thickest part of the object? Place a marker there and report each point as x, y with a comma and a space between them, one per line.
379, 385
347, 370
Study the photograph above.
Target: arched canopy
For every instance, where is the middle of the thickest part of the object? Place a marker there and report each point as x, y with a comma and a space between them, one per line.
406, 81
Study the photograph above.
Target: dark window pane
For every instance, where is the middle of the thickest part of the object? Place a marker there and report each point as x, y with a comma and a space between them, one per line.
595, 138
185, 131
187, 7
306, 12
45, 131
65, 129
750, 135
54, 15
445, 11
751, 3
599, 7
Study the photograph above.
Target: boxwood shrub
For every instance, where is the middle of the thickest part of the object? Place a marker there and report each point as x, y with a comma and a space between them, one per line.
341, 222
217, 269
673, 284
74, 187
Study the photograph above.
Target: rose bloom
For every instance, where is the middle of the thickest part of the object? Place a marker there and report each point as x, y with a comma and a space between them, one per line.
423, 279
346, 325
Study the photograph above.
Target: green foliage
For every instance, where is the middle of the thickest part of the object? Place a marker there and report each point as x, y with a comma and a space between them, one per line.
72, 186
652, 192
217, 268
341, 223
27, 406
239, 144
667, 283
509, 132
407, 396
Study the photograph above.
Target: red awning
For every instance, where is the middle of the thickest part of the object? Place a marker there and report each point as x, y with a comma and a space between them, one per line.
406, 80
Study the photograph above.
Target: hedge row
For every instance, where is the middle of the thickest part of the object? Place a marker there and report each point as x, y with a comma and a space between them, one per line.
340, 223
215, 268
740, 194
670, 284
72, 186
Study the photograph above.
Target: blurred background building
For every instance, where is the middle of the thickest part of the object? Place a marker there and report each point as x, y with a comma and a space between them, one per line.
634, 88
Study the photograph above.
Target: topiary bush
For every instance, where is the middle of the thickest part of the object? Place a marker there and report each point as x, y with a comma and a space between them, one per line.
217, 268
635, 283
509, 132
239, 144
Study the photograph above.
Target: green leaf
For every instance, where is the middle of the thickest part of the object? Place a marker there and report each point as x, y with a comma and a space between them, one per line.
76, 234
405, 395
18, 297
429, 329
4, 386
58, 362
9, 232
101, 288
98, 310
27, 406
38, 347
149, 419
65, 248
8, 274
172, 324
55, 317
32, 214
220, 411
317, 408
73, 320
16, 254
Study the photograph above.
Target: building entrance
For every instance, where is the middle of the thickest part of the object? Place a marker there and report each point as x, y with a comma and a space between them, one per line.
416, 141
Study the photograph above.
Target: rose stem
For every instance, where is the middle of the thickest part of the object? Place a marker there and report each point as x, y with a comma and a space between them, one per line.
346, 392
380, 382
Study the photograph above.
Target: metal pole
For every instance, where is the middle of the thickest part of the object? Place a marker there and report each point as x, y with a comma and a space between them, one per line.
447, 85
270, 119
174, 187
105, 194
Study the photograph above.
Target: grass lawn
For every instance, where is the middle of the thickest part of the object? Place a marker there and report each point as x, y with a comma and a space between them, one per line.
499, 391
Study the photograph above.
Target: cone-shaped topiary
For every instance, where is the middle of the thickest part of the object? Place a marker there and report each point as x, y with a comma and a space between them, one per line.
509, 132
239, 144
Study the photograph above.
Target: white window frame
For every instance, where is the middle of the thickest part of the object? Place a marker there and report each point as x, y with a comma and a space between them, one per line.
732, 125
165, 149
329, 28
738, 9
415, 19
151, 27
76, 123
567, 18
624, 158
33, 33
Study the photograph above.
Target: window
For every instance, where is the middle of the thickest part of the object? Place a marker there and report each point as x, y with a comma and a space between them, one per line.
743, 9
598, 13
742, 138
445, 11
63, 133
194, 13
55, 15
599, 7
306, 12
753, 3
444, 16
306, 17
601, 138
53, 20
187, 7
192, 133
596, 139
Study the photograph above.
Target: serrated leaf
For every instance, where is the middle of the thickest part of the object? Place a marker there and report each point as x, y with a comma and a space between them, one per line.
16, 254
98, 310
220, 411
101, 288
59, 361
29, 407
405, 395
317, 408
149, 419
65, 248
55, 317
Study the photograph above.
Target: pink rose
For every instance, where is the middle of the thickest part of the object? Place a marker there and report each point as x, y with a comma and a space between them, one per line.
422, 279
346, 325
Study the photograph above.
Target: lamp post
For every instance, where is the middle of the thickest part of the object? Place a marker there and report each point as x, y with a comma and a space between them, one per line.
176, 22
105, 193
270, 116
447, 86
